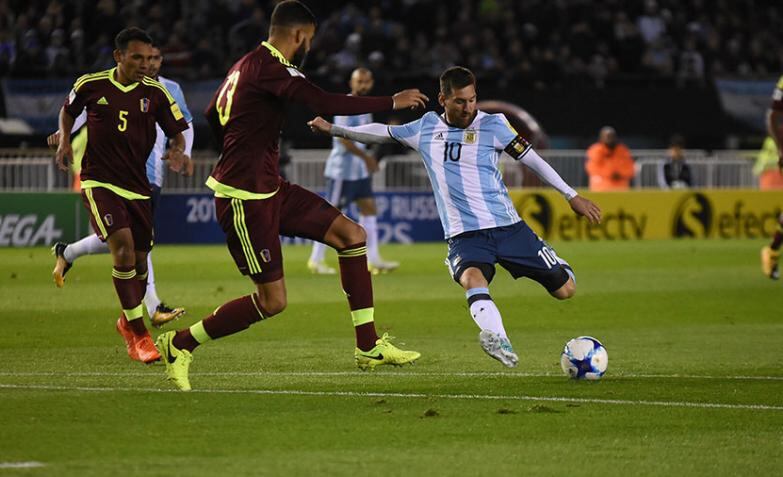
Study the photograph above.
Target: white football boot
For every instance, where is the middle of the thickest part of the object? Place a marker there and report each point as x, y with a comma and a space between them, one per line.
499, 348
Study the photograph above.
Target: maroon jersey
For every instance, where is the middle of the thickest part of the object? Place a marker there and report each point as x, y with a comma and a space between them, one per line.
121, 128
247, 114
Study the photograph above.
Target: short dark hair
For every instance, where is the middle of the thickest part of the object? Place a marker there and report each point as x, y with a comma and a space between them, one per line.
291, 13
131, 34
456, 77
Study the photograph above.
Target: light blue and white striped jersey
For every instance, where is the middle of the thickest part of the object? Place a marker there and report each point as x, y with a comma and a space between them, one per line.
155, 168
463, 168
341, 163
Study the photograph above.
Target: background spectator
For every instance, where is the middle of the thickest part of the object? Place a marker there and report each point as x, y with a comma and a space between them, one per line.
675, 172
609, 163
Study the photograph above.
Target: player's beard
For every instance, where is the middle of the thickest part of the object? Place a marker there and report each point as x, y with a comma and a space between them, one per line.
300, 57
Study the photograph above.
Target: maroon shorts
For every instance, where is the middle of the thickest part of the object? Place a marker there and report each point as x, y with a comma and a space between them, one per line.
253, 227
109, 212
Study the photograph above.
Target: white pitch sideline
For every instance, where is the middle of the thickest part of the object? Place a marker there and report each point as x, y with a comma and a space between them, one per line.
474, 374
21, 465
490, 397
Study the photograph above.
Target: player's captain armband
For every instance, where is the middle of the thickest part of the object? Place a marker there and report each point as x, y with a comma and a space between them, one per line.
518, 147
176, 112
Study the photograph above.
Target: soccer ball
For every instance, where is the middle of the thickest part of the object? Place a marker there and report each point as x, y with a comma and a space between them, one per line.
584, 358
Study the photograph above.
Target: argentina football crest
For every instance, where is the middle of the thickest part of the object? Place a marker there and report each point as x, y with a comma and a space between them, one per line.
145, 105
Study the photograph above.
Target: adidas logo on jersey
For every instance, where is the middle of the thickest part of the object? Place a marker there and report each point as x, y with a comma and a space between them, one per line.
103, 100
439, 137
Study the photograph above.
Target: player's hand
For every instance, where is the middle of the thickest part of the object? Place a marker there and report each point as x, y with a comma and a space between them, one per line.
64, 155
53, 140
371, 163
320, 125
586, 208
410, 98
178, 161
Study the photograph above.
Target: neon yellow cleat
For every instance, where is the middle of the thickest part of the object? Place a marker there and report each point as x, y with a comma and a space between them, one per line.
382, 266
384, 353
320, 268
177, 360
769, 262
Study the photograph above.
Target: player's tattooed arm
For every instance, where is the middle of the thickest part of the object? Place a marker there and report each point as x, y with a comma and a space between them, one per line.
373, 133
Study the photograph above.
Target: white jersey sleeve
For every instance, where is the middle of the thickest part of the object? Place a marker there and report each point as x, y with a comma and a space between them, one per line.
373, 133
408, 134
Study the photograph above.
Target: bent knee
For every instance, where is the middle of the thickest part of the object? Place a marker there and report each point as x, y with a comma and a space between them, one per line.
349, 233
566, 291
355, 233
473, 277
270, 304
274, 306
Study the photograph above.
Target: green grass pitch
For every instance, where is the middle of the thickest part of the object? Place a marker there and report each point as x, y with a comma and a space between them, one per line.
694, 385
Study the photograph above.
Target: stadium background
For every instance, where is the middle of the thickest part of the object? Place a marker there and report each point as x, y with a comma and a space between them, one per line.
652, 69
694, 386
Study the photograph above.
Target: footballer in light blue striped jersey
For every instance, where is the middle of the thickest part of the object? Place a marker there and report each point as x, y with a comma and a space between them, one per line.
66, 254
348, 174
461, 149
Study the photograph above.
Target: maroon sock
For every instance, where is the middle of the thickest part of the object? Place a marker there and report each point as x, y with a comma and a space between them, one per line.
357, 285
142, 279
366, 336
127, 288
230, 318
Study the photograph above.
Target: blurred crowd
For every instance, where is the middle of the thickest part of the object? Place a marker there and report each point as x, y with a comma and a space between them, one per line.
535, 43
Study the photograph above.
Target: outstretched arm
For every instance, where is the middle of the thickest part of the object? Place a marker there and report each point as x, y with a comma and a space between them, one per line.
323, 102
521, 150
373, 133
547, 174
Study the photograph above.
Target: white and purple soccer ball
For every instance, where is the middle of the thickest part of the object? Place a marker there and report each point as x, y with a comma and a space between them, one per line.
584, 358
